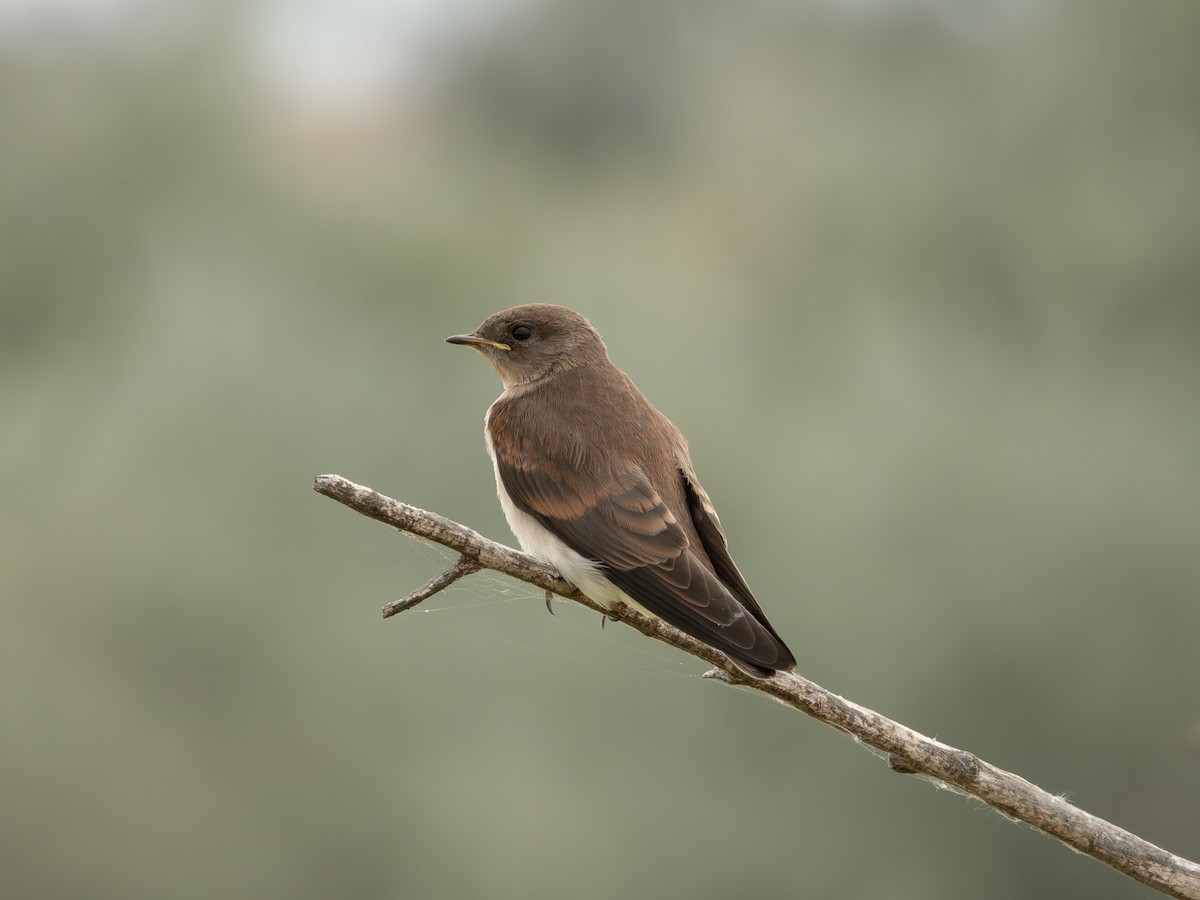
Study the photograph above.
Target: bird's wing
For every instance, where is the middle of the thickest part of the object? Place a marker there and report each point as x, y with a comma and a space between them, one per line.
621, 521
716, 545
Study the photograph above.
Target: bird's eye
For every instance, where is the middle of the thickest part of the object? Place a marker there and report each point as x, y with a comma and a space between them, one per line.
522, 332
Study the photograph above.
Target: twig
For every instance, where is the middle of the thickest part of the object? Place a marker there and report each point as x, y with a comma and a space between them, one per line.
464, 566
907, 751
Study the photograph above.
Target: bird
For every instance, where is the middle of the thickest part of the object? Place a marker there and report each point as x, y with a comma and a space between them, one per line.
594, 480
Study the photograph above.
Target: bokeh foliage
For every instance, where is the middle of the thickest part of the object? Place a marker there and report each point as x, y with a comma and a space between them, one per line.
920, 281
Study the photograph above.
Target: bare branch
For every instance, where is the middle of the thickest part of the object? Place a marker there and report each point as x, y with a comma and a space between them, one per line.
907, 751
464, 566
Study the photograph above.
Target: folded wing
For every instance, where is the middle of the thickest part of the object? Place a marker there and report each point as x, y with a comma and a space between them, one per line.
621, 521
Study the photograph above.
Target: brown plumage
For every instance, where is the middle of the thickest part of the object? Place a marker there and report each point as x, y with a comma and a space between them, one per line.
598, 482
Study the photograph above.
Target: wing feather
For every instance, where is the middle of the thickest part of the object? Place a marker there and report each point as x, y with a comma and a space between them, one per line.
616, 517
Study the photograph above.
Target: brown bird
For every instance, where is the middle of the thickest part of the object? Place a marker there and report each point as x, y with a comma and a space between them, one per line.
596, 481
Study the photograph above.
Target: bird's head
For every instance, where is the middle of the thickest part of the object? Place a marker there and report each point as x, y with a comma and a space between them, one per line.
528, 343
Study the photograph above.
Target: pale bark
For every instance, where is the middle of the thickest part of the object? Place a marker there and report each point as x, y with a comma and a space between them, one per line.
907, 751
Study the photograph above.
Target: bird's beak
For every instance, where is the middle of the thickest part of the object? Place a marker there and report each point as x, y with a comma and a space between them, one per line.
474, 340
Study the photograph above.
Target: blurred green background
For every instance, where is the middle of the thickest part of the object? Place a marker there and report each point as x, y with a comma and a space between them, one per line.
920, 281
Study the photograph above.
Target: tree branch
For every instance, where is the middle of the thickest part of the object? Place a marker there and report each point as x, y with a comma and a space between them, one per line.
908, 751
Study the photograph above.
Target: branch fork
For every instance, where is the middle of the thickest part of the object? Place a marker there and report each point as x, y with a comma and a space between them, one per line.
462, 567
